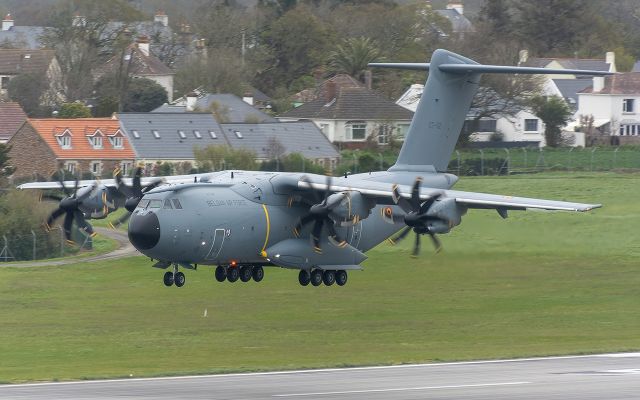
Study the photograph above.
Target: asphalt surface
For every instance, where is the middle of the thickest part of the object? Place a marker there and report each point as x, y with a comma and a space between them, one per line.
124, 249
607, 376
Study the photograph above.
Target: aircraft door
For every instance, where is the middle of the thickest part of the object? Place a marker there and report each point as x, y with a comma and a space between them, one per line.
356, 234
217, 243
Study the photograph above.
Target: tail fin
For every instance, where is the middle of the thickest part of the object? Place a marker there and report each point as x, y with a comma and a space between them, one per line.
443, 107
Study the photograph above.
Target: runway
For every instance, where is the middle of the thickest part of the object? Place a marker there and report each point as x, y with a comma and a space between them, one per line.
606, 376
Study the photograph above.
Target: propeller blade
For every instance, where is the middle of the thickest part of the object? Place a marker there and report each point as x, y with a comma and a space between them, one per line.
416, 246
137, 188
82, 222
429, 202
120, 185
436, 242
327, 191
301, 222
86, 193
401, 201
54, 215
316, 196
152, 186
68, 222
334, 235
315, 233
415, 194
401, 236
120, 220
61, 182
75, 188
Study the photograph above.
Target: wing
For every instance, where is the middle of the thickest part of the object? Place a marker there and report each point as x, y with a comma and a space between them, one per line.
112, 182
382, 193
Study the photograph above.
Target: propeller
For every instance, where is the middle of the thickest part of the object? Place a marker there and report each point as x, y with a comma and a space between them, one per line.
70, 207
319, 214
415, 217
133, 193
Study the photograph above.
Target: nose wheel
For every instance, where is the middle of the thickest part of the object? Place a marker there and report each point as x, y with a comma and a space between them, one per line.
174, 277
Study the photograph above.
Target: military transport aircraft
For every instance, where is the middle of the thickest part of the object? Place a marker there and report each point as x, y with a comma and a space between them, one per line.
242, 221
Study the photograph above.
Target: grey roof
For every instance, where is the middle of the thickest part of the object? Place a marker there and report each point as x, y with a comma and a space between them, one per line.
570, 89
232, 108
170, 146
296, 137
351, 103
23, 37
459, 23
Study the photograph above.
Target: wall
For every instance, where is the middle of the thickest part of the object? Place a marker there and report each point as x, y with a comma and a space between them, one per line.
30, 155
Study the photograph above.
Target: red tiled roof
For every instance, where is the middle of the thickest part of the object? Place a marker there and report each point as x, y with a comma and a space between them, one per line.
11, 119
81, 130
337, 81
620, 83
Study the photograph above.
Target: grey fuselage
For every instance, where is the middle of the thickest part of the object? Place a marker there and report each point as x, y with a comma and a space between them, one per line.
236, 216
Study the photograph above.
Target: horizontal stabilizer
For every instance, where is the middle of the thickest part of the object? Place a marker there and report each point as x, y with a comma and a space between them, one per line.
488, 69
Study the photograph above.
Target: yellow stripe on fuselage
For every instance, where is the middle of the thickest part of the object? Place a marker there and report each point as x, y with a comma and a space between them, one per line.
266, 239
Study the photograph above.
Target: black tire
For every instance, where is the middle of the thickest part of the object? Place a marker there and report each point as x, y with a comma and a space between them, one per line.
316, 277
221, 273
233, 273
341, 277
329, 277
179, 279
245, 274
257, 273
168, 278
304, 278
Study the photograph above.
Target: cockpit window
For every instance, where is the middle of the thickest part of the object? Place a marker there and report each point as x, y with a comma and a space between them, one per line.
143, 203
176, 204
155, 203
167, 205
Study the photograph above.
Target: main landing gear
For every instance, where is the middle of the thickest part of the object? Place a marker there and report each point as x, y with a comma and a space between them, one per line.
245, 273
174, 277
317, 277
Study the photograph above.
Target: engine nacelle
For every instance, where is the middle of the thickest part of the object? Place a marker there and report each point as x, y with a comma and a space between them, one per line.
449, 214
352, 208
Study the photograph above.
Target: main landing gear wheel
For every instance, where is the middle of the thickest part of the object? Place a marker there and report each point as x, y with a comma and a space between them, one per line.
329, 277
168, 278
316, 277
257, 273
304, 278
233, 273
245, 274
179, 279
341, 277
221, 273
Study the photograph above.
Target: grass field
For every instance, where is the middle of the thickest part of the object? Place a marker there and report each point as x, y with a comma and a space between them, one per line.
534, 284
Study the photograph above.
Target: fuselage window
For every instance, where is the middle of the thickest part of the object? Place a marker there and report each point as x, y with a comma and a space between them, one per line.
176, 204
167, 205
155, 203
143, 204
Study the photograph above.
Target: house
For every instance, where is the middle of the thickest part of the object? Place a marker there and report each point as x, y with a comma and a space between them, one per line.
292, 137
226, 107
351, 115
85, 147
454, 13
613, 105
523, 127
20, 37
141, 63
38, 62
11, 119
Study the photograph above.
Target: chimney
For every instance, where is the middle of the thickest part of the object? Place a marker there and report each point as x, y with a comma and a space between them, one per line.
79, 21
161, 18
248, 97
329, 91
7, 22
456, 6
523, 56
598, 84
143, 44
609, 58
367, 79
192, 98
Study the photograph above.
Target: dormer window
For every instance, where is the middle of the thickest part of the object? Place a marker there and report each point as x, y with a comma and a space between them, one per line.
238, 134
95, 139
197, 134
64, 139
117, 142
182, 135
213, 135
156, 134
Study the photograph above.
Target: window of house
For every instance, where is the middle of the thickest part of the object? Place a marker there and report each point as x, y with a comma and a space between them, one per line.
384, 134
155, 133
65, 141
182, 135
356, 130
487, 125
238, 134
96, 142
117, 142
213, 135
125, 167
197, 134
70, 166
135, 134
627, 105
96, 167
402, 131
5, 82
531, 125
325, 129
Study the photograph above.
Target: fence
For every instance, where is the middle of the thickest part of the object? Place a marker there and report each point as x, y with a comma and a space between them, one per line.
38, 245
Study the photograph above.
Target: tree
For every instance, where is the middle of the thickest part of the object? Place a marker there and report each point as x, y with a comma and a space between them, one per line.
27, 90
144, 95
353, 56
74, 110
219, 157
219, 72
554, 113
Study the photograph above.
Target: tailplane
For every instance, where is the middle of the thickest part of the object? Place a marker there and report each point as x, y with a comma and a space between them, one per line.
451, 84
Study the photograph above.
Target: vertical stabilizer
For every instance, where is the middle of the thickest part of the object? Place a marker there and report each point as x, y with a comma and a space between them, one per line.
439, 117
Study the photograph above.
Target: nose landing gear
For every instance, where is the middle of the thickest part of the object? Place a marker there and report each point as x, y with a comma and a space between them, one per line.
174, 277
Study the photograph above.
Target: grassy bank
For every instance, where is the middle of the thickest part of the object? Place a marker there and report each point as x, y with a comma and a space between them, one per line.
534, 284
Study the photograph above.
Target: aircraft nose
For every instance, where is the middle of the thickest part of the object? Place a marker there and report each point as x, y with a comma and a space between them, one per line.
144, 230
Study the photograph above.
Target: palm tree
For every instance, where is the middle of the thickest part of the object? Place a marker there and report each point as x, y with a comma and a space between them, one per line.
353, 55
